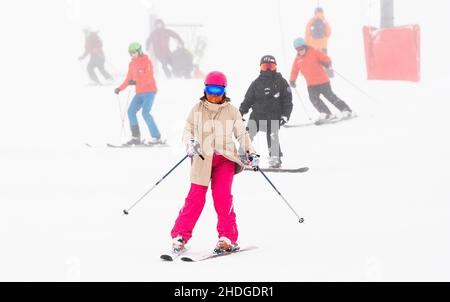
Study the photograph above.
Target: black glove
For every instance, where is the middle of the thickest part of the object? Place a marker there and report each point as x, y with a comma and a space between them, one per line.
131, 82
283, 120
292, 84
117, 90
326, 64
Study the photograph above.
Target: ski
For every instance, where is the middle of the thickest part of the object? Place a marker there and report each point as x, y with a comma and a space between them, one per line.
108, 145
147, 145
193, 258
338, 120
310, 123
171, 255
335, 120
281, 170
332, 120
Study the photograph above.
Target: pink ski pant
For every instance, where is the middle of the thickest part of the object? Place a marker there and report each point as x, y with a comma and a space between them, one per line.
221, 181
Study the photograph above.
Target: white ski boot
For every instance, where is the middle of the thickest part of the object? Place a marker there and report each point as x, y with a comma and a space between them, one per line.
224, 245
274, 162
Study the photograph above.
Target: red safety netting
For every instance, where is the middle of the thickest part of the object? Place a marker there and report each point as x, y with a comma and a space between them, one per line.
393, 53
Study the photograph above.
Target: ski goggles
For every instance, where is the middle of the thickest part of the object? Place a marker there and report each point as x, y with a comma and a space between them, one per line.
268, 66
214, 89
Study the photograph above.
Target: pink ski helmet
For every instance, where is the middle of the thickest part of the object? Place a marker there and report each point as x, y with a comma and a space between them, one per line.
216, 78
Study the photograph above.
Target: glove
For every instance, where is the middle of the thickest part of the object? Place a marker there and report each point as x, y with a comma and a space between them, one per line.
131, 82
292, 84
193, 148
117, 90
253, 160
283, 120
326, 64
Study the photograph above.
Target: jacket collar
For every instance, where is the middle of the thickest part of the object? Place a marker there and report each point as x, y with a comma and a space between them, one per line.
214, 107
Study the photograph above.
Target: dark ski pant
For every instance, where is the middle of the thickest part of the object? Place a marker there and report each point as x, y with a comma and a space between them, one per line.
165, 62
272, 129
325, 89
96, 62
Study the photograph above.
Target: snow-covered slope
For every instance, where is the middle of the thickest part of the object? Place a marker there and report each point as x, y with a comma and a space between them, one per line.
375, 202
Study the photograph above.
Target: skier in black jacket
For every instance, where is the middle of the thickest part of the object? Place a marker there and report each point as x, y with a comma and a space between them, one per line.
270, 99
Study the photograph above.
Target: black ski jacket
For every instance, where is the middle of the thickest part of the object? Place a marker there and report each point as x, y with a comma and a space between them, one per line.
269, 97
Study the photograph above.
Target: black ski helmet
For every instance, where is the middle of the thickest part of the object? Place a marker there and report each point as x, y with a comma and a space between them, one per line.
268, 59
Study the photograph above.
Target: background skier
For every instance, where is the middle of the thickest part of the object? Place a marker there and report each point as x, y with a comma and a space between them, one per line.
207, 132
140, 73
310, 63
317, 33
159, 39
94, 49
270, 99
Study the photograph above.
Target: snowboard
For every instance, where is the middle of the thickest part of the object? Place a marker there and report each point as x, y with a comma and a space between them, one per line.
202, 257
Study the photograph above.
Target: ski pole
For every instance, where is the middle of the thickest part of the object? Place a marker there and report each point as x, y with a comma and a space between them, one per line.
122, 122
303, 105
300, 219
354, 86
124, 113
126, 212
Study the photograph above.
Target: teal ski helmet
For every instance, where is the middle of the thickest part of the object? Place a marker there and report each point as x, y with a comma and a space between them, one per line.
299, 42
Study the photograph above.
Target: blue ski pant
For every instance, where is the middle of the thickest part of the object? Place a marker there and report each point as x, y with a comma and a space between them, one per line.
143, 101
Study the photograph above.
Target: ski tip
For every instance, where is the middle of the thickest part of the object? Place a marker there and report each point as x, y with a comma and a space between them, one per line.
166, 258
187, 259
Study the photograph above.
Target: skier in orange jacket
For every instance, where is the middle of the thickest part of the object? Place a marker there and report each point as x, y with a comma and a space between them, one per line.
318, 31
310, 63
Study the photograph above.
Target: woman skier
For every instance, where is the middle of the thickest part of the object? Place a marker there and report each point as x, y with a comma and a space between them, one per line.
210, 130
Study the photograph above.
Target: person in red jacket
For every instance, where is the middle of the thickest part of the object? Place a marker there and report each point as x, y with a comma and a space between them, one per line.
159, 39
140, 74
94, 48
310, 63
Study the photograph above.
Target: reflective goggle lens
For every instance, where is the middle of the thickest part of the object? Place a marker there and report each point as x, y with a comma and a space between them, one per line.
215, 90
268, 66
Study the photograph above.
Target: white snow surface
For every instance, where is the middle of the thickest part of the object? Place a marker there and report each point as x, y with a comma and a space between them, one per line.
375, 201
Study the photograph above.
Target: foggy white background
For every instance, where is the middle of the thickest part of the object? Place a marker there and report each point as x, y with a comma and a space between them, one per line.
376, 201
